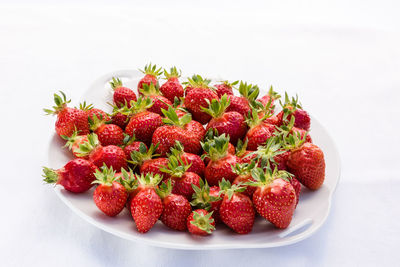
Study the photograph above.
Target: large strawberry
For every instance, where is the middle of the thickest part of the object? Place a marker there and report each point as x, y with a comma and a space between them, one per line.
176, 207
108, 133
146, 206
220, 160
242, 104
68, 119
122, 95
176, 129
172, 87
200, 222
110, 196
76, 176
206, 197
225, 87
259, 132
151, 76
275, 197
159, 101
195, 161
230, 123
196, 98
236, 209
292, 107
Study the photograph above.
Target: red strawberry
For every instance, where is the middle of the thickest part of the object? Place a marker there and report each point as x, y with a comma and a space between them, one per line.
241, 104
230, 123
176, 208
243, 172
236, 209
268, 100
172, 88
225, 88
146, 206
175, 130
246, 156
108, 134
121, 115
143, 123
195, 162
154, 166
220, 160
288, 128
68, 119
196, 98
200, 222
281, 160
76, 176
271, 120
209, 136
274, 198
151, 76
259, 132
131, 184
159, 101
207, 198
91, 111
297, 188
268, 153
122, 95
74, 141
110, 196
293, 108
131, 145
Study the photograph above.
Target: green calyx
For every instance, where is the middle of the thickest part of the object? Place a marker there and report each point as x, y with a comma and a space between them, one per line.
149, 179
217, 107
289, 106
71, 139
95, 122
243, 168
60, 101
253, 119
203, 222
196, 81
105, 176
216, 148
88, 146
152, 70
140, 105
173, 73
176, 167
228, 189
138, 157
265, 154
293, 140
263, 177
164, 189
230, 84
115, 83
177, 150
128, 180
241, 147
50, 175
84, 106
150, 90
273, 94
171, 118
201, 196
249, 91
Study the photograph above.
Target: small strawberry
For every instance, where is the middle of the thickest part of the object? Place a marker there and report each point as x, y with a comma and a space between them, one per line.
131, 145
151, 76
74, 141
172, 88
274, 198
91, 111
206, 197
146, 206
76, 176
68, 119
236, 209
230, 123
259, 132
108, 134
268, 100
110, 196
176, 208
159, 101
200, 222
293, 108
243, 172
122, 95
195, 161
242, 104
196, 98
225, 87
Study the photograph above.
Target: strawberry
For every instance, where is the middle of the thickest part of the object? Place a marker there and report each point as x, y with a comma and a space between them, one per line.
131, 184
241, 152
289, 128
220, 160
196, 98
146, 206
268, 100
110, 196
200, 222
120, 115
76, 176
293, 108
108, 134
267, 154
243, 172
159, 101
154, 166
74, 141
176, 208
206, 197
210, 135
91, 111
274, 198
172, 88
297, 188
225, 88
68, 119
183, 180
151, 76
241, 104
131, 145
143, 123
230, 123
236, 209
259, 132
122, 95
175, 130
195, 162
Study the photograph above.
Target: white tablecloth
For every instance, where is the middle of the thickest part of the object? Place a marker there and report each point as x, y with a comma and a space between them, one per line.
342, 58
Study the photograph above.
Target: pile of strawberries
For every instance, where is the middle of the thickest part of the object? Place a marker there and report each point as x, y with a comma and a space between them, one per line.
190, 154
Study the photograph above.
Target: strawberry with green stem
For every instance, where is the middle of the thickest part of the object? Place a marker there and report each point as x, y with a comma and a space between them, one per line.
195, 161
259, 132
129, 180
292, 107
122, 95
172, 87
120, 115
151, 74
243, 172
206, 197
74, 141
289, 128
200, 222
268, 100
130, 144
108, 133
245, 155
225, 87
208, 137
91, 111
159, 101
242, 104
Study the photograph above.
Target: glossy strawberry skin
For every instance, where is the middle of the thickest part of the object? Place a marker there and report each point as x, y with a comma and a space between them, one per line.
258, 135
143, 126
247, 159
112, 156
230, 123
176, 211
183, 185
272, 120
71, 119
264, 101
222, 89
194, 229
110, 134
307, 163
110, 199
215, 205
297, 188
196, 128
134, 146
77, 175
281, 161
159, 102
120, 119
123, 95
195, 99
171, 89
153, 166
276, 202
100, 114
197, 165
231, 150
239, 104
302, 119
216, 170
146, 208
238, 213
241, 179
147, 79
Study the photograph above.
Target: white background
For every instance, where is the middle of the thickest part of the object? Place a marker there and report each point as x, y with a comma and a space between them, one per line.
341, 57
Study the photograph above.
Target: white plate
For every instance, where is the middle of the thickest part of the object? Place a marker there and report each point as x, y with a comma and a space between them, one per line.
311, 213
